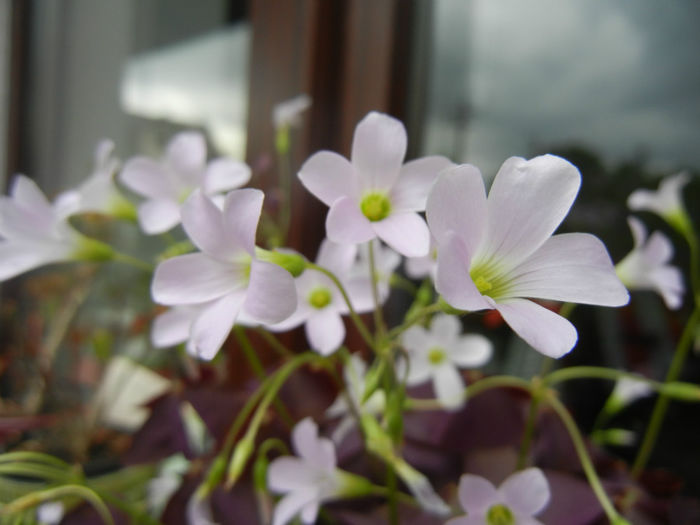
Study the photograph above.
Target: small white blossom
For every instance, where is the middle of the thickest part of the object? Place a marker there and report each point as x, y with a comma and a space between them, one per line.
516, 501
646, 266
375, 194
437, 353
667, 201
169, 182
50, 513
287, 114
226, 273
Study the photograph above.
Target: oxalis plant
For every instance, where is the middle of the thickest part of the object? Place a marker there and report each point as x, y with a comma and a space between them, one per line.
467, 253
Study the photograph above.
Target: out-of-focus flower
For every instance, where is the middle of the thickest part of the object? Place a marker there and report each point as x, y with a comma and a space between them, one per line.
287, 114
436, 355
374, 195
626, 391
516, 501
667, 201
33, 233
172, 327
226, 273
169, 182
199, 510
50, 513
166, 482
386, 261
496, 253
320, 304
345, 404
311, 478
423, 267
646, 266
98, 194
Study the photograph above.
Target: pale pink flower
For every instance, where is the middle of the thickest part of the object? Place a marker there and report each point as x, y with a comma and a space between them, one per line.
646, 266
438, 353
423, 267
226, 273
34, 233
169, 182
288, 113
98, 193
516, 501
374, 195
666, 202
495, 253
320, 304
310, 478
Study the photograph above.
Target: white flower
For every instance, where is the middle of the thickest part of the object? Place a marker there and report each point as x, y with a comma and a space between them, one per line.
436, 355
386, 261
423, 267
311, 478
287, 114
646, 266
50, 513
33, 233
172, 327
374, 195
98, 193
226, 273
166, 482
497, 252
351, 401
320, 304
627, 390
667, 201
168, 183
520, 497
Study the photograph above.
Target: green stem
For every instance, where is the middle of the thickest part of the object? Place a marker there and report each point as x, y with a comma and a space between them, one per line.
529, 431
417, 317
472, 390
692, 240
586, 462
133, 261
659, 412
36, 498
259, 371
353, 314
596, 372
275, 343
379, 325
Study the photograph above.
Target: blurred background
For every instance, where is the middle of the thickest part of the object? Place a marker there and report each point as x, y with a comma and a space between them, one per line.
612, 85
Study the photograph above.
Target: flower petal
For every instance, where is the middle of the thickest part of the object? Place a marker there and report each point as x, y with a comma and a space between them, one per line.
158, 215
310, 512
526, 492
571, 267
329, 176
345, 223
225, 174
148, 178
471, 351
203, 223
476, 519
658, 249
288, 473
309, 446
325, 331
17, 257
173, 327
242, 209
405, 232
448, 386
337, 258
668, 282
26, 193
541, 328
378, 150
193, 278
415, 180
527, 202
272, 296
457, 203
476, 494
186, 153
639, 232
291, 505
453, 281
211, 328
445, 328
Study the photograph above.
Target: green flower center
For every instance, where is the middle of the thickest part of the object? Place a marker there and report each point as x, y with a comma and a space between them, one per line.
500, 515
489, 280
436, 355
320, 298
375, 206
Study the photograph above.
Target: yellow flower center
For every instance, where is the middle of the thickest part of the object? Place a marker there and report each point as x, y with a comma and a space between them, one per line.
499, 515
320, 298
375, 206
489, 280
436, 355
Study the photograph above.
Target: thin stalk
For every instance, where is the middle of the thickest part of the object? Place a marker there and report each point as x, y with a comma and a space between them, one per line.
529, 432
586, 463
659, 412
133, 261
417, 317
353, 314
275, 343
379, 324
596, 372
259, 371
471, 391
